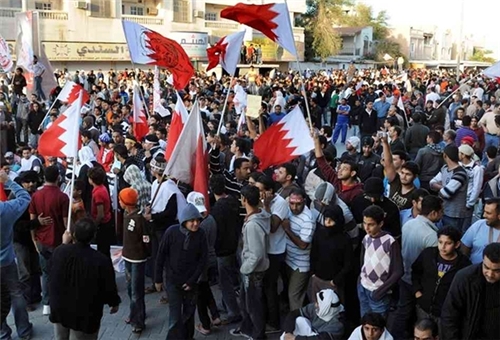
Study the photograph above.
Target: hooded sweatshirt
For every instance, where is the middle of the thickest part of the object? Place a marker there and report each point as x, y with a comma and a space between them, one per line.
430, 161
182, 254
255, 236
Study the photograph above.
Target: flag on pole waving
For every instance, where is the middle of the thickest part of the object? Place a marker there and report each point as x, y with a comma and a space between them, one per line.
139, 119
273, 20
493, 71
226, 52
188, 163
6, 62
179, 118
157, 106
70, 92
151, 48
62, 138
284, 141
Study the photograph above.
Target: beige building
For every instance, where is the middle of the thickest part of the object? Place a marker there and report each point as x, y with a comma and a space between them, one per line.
87, 34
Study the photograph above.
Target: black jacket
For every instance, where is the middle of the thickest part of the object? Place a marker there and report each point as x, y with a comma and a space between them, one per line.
424, 276
416, 137
331, 254
462, 309
392, 220
82, 282
226, 214
368, 123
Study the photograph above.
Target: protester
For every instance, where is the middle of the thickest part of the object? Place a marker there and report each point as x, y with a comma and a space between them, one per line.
372, 328
83, 277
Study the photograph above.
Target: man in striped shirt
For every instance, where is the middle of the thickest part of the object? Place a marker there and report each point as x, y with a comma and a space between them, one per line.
299, 229
236, 179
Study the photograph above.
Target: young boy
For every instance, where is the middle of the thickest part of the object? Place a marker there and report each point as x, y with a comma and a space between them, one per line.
135, 253
382, 265
78, 208
100, 210
434, 270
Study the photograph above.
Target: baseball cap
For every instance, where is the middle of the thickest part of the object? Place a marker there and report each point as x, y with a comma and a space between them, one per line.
198, 200
9, 154
466, 150
368, 141
354, 141
468, 140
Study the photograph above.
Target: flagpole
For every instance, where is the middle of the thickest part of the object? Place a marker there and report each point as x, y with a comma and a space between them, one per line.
304, 92
72, 187
47, 114
225, 105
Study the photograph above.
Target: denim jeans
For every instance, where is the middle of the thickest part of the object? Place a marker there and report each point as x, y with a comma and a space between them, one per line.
10, 279
63, 333
134, 273
355, 130
29, 272
45, 257
228, 279
182, 305
271, 289
39, 89
405, 314
341, 126
253, 308
367, 304
457, 223
22, 127
33, 140
326, 116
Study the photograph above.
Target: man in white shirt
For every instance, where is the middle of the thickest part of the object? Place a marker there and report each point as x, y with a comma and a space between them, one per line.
432, 95
277, 206
299, 229
38, 71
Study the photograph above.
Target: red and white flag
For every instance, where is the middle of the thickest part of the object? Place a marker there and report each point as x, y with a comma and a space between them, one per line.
493, 71
179, 118
151, 48
273, 20
226, 52
6, 62
157, 106
188, 163
62, 138
284, 141
139, 119
70, 92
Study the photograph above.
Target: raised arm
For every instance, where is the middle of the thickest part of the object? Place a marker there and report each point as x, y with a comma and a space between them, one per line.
390, 169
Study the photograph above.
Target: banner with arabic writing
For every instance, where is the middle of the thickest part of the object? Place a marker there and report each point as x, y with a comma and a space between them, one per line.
5, 58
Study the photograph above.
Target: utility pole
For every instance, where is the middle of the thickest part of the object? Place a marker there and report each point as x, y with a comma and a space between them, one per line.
461, 38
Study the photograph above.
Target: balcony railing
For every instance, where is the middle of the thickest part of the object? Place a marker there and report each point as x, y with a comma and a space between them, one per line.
53, 15
221, 24
9, 12
143, 20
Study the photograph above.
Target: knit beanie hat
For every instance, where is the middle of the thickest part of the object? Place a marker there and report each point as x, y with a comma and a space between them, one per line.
129, 197
452, 152
374, 187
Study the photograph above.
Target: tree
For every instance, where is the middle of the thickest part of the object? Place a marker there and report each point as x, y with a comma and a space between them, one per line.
326, 41
482, 55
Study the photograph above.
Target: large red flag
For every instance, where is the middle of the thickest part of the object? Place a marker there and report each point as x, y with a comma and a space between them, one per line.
179, 118
70, 92
188, 163
62, 138
151, 48
226, 52
273, 20
3, 195
282, 142
139, 119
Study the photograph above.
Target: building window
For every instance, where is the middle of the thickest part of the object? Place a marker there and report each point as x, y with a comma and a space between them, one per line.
43, 6
136, 10
181, 11
211, 16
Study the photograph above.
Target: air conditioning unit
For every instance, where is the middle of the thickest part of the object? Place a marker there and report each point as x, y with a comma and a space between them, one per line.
152, 11
81, 5
198, 14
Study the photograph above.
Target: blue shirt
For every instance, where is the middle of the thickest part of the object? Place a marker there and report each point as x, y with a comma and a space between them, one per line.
382, 108
274, 117
476, 238
406, 216
10, 212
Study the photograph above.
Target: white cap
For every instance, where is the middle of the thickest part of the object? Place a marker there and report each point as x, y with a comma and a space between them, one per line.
198, 200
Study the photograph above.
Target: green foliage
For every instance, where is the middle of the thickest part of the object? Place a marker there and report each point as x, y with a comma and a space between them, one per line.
482, 55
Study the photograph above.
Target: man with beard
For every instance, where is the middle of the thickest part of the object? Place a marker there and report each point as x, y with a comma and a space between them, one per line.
368, 160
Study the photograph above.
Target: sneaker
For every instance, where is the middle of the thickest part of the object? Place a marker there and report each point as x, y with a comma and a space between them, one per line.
46, 310
202, 330
238, 332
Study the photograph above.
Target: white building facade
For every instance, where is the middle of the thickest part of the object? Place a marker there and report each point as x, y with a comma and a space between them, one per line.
87, 34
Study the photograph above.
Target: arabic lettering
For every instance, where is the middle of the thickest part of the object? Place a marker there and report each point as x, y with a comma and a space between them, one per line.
100, 49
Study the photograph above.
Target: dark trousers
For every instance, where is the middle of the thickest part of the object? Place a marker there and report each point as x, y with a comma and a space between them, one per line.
405, 314
271, 289
252, 305
228, 279
205, 303
134, 273
155, 245
105, 237
182, 306
333, 112
29, 272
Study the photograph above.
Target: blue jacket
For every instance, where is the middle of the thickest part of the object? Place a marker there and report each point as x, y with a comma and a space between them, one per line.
10, 212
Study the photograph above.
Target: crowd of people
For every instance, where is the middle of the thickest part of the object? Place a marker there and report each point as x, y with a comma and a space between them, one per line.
398, 237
